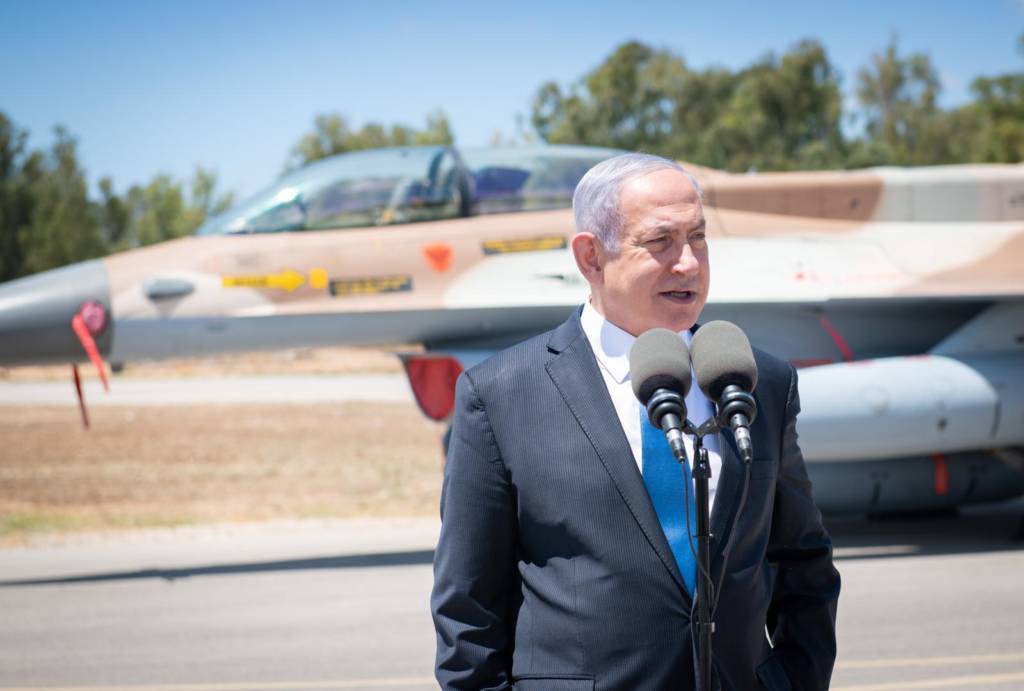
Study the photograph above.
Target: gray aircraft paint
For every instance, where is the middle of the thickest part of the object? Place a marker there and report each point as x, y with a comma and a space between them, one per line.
36, 313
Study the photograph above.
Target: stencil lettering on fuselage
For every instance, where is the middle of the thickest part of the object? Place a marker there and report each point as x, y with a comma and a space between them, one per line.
537, 244
374, 285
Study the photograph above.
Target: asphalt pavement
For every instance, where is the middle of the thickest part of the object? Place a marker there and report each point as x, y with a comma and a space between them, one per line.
927, 604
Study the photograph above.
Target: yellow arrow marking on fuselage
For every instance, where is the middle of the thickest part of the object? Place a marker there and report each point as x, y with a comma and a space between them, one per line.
318, 278
287, 280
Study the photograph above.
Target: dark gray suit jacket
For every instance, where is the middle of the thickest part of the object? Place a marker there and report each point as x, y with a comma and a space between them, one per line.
552, 572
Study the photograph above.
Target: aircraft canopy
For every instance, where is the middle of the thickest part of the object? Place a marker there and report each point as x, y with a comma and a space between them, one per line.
412, 184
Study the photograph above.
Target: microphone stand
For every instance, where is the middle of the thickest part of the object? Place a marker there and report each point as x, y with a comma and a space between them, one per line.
701, 474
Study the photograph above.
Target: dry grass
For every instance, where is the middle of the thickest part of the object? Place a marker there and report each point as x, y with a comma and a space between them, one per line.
292, 361
157, 466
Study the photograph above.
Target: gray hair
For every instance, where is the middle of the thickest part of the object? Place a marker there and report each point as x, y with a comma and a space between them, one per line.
595, 204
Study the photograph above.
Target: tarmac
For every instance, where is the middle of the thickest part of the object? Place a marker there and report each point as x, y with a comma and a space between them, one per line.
930, 603
927, 603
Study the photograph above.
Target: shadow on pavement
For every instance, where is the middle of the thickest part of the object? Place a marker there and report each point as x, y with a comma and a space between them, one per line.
993, 528
411, 558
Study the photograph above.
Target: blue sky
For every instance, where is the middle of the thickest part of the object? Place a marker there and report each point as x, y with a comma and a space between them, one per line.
152, 87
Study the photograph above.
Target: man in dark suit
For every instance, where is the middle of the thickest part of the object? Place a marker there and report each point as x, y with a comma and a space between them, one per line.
558, 566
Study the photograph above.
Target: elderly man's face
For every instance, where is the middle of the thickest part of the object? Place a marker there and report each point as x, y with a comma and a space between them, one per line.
660, 275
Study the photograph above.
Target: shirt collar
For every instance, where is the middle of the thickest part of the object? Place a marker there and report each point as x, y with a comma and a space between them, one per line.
610, 343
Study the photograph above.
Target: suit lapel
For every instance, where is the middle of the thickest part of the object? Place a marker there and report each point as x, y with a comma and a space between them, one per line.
574, 372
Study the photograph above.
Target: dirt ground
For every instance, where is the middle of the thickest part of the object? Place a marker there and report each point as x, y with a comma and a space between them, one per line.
168, 466
291, 361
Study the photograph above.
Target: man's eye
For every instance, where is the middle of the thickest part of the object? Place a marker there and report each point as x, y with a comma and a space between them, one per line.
659, 241
698, 237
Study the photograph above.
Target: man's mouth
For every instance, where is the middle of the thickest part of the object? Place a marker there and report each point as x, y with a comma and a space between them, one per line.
680, 296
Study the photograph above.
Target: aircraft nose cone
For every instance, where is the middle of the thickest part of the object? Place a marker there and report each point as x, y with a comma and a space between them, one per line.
36, 313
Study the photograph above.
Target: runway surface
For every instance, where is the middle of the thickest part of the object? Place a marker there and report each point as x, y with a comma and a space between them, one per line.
926, 604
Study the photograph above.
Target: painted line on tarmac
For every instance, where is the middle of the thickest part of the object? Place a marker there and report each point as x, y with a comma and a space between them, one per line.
413, 682
943, 683
403, 682
929, 661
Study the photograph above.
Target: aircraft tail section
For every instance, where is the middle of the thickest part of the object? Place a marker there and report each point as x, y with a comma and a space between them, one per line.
937, 194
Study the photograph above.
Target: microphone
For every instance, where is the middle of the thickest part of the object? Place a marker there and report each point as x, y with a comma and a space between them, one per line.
659, 364
727, 374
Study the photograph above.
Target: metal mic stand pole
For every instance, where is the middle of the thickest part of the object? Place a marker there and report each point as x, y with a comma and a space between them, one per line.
705, 627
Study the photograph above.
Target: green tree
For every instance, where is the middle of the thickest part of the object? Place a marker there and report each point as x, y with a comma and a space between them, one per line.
698, 111
157, 211
332, 135
778, 113
206, 201
15, 200
113, 215
627, 102
162, 209
62, 227
996, 117
47, 219
903, 123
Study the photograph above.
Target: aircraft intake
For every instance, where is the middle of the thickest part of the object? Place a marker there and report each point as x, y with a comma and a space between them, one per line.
36, 314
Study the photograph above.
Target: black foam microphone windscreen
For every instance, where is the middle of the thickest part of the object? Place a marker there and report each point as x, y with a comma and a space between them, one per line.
659, 359
722, 356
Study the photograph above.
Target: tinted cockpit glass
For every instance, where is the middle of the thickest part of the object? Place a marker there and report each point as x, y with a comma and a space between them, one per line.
528, 178
411, 184
363, 188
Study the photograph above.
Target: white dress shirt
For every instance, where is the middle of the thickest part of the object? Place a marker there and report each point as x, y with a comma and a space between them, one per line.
611, 347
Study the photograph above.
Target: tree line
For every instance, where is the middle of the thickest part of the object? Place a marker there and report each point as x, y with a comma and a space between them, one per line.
49, 219
782, 112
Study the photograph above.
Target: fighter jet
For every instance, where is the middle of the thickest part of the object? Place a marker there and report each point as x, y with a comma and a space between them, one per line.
898, 292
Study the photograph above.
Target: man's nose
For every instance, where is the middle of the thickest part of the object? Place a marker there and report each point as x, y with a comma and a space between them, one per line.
686, 262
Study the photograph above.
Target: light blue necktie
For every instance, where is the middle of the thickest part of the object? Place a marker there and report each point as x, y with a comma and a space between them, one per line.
666, 480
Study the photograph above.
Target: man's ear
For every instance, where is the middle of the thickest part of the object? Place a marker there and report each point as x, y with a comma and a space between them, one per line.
586, 250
